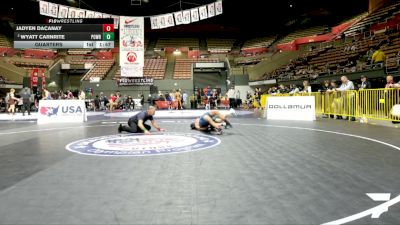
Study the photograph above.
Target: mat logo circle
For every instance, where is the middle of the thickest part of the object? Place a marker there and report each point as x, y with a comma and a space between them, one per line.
143, 145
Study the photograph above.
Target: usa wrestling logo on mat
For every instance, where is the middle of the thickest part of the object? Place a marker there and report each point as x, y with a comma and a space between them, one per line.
142, 145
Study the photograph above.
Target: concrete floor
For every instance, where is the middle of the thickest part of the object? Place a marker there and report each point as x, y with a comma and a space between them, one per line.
262, 172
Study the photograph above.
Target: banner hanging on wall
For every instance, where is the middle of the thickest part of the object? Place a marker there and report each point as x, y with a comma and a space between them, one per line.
131, 81
157, 22
131, 46
131, 42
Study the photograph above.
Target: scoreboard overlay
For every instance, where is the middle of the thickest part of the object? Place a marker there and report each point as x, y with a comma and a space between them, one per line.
66, 33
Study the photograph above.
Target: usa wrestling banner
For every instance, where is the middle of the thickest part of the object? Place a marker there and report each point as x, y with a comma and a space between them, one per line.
131, 39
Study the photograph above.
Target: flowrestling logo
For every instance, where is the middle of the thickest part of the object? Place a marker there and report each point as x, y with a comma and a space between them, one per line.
143, 145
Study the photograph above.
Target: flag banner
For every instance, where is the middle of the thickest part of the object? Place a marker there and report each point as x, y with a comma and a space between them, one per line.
186, 17
106, 15
98, 15
34, 77
162, 22
178, 18
116, 21
211, 10
157, 22
43, 78
53, 10
170, 20
130, 81
44, 8
89, 14
194, 14
72, 12
131, 71
131, 41
203, 12
154, 22
218, 8
62, 12
81, 13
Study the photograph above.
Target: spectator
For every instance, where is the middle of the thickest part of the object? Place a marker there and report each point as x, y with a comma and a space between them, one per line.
332, 86
178, 98
113, 102
129, 103
82, 95
365, 84
398, 58
70, 95
161, 97
347, 98
294, 89
378, 57
306, 87
150, 100
390, 96
369, 55
325, 86
12, 101
141, 96
346, 84
389, 81
213, 100
184, 99
46, 94
26, 101
231, 96
96, 105
282, 89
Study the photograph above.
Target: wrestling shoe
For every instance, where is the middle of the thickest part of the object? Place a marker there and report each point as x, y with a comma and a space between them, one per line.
232, 112
120, 128
218, 131
228, 125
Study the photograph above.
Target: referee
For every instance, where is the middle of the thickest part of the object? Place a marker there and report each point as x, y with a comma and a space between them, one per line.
136, 123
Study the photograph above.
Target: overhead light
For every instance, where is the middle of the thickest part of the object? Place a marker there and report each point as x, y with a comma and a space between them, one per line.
177, 52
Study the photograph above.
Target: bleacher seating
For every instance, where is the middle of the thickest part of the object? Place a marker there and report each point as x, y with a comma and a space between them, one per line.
79, 51
4, 41
334, 58
4, 80
302, 33
183, 67
30, 63
5, 51
263, 42
100, 67
178, 42
40, 53
154, 68
218, 45
381, 15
